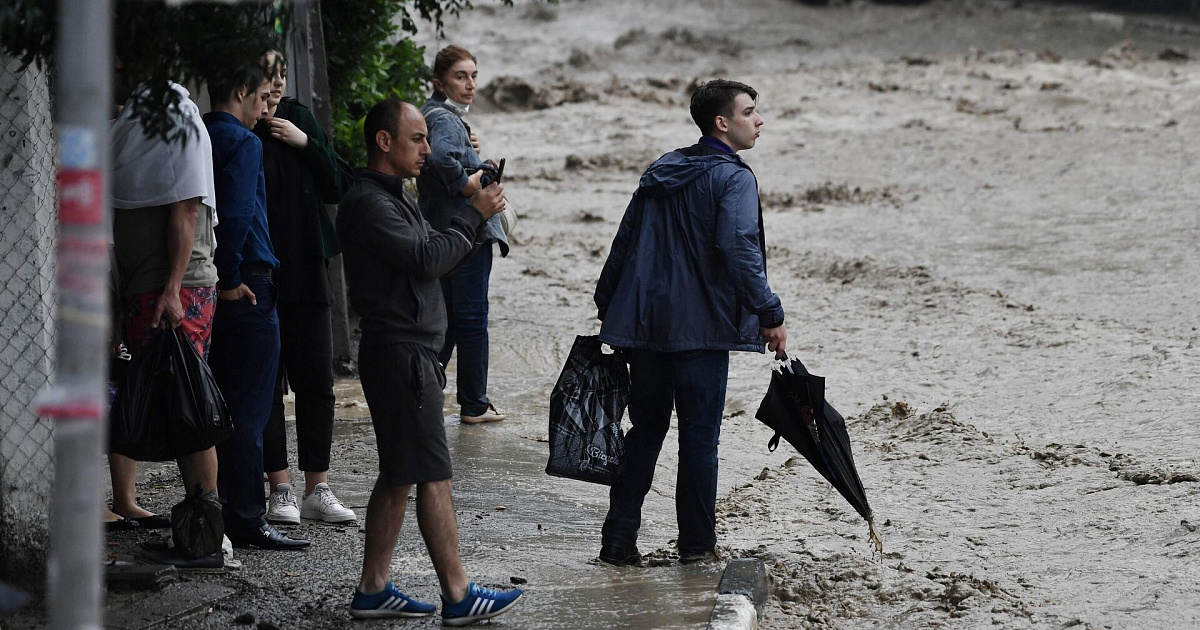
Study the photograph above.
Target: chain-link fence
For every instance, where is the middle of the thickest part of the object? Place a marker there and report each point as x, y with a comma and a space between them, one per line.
27, 298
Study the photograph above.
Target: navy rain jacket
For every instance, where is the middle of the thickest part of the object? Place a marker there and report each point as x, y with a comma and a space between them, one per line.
687, 269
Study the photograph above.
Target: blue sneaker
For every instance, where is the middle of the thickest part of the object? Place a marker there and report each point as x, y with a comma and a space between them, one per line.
389, 602
480, 603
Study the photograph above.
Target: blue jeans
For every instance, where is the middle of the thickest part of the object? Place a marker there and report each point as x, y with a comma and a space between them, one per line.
466, 293
694, 384
244, 358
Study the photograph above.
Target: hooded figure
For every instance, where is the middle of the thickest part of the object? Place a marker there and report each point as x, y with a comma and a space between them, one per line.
685, 283
687, 269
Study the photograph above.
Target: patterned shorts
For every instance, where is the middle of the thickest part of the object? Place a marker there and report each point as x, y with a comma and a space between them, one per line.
199, 305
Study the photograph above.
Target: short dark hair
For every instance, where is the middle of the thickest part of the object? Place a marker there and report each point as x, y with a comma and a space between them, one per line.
248, 74
715, 98
383, 116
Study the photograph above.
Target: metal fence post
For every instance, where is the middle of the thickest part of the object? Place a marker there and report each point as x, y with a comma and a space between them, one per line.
77, 401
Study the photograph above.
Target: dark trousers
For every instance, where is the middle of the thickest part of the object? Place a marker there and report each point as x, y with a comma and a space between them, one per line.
244, 358
306, 368
693, 383
466, 293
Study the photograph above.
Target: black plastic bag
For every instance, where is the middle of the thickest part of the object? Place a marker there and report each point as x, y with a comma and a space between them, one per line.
168, 404
138, 427
201, 419
586, 407
196, 524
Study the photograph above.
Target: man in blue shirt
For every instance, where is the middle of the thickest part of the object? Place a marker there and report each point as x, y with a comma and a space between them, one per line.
245, 337
685, 283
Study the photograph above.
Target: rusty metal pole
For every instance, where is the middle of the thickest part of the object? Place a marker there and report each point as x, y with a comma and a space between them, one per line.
77, 401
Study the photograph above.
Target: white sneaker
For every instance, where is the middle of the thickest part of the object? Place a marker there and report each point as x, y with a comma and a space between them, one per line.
322, 505
281, 507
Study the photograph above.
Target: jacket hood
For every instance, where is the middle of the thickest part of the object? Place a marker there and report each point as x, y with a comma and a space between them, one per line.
675, 170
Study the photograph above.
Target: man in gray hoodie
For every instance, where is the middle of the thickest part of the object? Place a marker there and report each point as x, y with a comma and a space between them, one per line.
394, 261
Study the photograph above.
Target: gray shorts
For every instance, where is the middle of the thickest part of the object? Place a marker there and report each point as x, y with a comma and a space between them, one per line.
403, 385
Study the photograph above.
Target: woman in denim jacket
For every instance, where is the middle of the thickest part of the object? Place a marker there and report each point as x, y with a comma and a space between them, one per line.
451, 175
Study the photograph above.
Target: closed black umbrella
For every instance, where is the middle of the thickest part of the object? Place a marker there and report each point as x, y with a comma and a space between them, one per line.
796, 409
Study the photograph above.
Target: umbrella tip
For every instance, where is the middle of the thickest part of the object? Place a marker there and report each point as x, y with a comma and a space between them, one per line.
876, 540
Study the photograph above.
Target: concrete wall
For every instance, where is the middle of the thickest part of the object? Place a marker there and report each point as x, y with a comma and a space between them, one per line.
27, 297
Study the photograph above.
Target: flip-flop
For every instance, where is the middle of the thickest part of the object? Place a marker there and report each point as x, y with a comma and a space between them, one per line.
121, 525
154, 521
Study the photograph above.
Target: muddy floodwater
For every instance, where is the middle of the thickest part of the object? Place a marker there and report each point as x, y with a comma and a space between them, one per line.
983, 223
983, 220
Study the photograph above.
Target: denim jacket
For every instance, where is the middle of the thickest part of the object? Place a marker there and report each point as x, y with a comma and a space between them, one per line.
445, 172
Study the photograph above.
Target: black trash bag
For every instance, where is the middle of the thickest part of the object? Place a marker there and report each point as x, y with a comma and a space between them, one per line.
586, 407
118, 367
168, 404
196, 524
137, 420
201, 418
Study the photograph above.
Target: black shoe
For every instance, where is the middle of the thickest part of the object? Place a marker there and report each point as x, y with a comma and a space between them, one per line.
619, 556
266, 537
692, 557
154, 521
121, 525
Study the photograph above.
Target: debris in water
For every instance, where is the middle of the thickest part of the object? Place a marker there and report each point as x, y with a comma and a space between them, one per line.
1049, 56
1173, 54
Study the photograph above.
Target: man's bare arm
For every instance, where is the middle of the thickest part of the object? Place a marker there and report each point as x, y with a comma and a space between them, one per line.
181, 231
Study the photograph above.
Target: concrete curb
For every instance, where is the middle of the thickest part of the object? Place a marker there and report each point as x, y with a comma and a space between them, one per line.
741, 595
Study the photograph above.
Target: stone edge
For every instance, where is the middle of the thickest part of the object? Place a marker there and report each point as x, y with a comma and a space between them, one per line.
741, 595
733, 612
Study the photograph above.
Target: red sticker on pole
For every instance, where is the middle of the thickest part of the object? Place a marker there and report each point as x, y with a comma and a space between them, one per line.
66, 402
80, 197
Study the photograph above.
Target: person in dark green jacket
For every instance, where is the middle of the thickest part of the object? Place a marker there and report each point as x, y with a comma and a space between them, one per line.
303, 173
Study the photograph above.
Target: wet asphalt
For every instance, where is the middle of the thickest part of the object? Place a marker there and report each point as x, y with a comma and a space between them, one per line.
517, 525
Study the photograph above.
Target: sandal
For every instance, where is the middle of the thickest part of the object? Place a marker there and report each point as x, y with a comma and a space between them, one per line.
121, 525
154, 521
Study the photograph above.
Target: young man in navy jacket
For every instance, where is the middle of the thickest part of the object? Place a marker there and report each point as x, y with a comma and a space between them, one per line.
685, 283
245, 330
